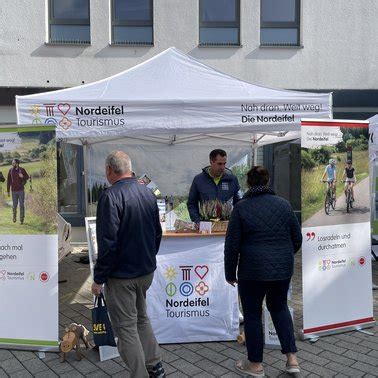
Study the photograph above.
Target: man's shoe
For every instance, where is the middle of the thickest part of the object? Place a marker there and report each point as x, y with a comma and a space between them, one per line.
157, 371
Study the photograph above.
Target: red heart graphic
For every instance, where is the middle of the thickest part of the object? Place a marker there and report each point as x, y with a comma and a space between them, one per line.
64, 108
201, 271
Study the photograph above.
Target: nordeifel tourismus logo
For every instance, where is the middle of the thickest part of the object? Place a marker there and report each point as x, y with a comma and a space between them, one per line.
187, 291
65, 115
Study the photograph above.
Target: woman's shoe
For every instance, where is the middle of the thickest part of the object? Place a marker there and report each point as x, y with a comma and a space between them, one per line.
243, 367
292, 369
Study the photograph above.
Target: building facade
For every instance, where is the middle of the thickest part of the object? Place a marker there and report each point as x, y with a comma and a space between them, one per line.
293, 44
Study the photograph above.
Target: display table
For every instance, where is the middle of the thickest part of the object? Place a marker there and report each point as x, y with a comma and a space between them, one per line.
189, 300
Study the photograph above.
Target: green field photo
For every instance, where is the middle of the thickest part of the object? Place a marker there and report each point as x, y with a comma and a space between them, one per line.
37, 155
314, 161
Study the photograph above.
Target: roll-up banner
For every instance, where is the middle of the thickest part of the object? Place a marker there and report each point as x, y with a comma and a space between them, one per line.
336, 262
28, 239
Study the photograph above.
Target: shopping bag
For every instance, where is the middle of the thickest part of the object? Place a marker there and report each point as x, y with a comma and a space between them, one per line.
101, 326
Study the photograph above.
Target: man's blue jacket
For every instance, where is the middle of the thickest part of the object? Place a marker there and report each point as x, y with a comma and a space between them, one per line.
204, 189
128, 231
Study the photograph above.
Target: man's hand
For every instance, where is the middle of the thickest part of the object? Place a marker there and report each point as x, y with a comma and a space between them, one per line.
96, 289
233, 283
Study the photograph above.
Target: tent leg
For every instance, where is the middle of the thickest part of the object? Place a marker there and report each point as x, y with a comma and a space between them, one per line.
85, 176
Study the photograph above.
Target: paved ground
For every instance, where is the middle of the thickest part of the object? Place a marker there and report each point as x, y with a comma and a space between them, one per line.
351, 354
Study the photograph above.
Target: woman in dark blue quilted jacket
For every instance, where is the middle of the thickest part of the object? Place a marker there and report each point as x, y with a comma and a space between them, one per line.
262, 237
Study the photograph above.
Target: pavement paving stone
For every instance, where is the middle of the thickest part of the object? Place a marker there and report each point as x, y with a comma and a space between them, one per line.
309, 347
204, 375
72, 374
188, 355
3, 374
336, 358
216, 346
11, 365
99, 374
212, 367
367, 368
59, 367
355, 347
317, 369
46, 374
178, 374
373, 353
322, 346
5, 355
23, 355
230, 365
347, 370
109, 367
84, 366
186, 367
195, 347
169, 369
271, 371
362, 357
231, 375
212, 355
232, 353
369, 344
35, 365
168, 356
21, 374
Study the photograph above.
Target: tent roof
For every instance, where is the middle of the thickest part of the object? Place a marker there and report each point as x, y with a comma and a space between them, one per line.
170, 93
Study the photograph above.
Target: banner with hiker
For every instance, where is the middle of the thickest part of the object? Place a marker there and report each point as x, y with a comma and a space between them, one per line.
28, 238
336, 227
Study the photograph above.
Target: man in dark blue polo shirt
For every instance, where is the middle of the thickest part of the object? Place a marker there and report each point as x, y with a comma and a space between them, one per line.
215, 182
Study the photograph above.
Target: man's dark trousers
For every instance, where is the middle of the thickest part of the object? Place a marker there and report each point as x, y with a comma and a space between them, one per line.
18, 197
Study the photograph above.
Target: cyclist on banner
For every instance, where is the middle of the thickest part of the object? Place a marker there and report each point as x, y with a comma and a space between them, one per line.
349, 176
330, 172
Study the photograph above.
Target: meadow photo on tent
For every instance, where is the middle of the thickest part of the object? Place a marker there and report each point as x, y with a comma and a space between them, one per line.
28, 195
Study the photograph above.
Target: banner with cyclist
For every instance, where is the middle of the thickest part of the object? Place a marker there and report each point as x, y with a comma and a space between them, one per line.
336, 226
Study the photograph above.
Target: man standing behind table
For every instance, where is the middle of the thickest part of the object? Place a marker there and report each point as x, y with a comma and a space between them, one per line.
17, 178
128, 237
215, 182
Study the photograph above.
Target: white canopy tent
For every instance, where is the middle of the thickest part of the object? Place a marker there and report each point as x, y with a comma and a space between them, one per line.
173, 99
170, 94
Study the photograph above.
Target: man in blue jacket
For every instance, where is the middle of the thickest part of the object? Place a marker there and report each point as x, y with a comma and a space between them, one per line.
128, 236
215, 182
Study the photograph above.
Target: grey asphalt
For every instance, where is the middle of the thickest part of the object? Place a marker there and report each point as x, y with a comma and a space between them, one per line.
359, 213
352, 354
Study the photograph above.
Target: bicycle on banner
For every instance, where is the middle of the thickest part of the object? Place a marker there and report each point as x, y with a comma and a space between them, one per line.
329, 177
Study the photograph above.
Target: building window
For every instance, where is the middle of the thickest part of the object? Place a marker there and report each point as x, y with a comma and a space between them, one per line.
219, 23
69, 22
280, 23
132, 22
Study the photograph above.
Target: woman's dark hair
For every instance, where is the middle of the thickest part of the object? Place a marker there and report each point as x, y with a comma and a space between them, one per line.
257, 176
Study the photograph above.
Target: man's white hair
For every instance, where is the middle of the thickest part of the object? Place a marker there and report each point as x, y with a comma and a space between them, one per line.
119, 162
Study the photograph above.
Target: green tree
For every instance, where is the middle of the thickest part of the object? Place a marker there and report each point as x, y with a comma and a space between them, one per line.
307, 161
43, 201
